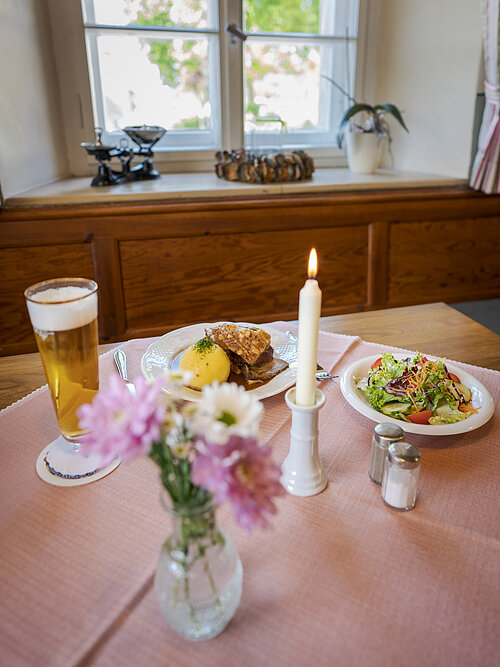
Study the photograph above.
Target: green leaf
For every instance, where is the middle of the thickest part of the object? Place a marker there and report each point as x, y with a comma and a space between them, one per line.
356, 108
394, 111
348, 114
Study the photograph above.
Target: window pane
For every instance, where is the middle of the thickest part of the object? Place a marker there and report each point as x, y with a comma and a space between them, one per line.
323, 17
281, 15
288, 98
156, 81
284, 82
167, 13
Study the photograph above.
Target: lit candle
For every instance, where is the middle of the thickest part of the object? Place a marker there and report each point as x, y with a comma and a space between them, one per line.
309, 312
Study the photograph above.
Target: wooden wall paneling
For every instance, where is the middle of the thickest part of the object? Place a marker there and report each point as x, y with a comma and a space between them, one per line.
377, 279
163, 264
21, 267
106, 256
171, 282
162, 219
343, 268
362, 206
447, 261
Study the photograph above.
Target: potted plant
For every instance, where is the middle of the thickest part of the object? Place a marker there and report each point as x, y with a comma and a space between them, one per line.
365, 136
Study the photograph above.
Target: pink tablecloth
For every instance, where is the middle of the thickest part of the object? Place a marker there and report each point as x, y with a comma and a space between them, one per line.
340, 579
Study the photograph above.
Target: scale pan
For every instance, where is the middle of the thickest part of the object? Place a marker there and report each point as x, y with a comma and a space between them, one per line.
145, 134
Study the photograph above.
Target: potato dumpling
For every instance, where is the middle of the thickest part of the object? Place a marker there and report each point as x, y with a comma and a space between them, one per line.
207, 361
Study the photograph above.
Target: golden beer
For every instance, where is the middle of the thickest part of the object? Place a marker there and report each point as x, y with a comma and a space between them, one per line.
64, 318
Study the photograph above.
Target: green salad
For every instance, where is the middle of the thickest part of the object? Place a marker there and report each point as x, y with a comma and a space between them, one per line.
416, 390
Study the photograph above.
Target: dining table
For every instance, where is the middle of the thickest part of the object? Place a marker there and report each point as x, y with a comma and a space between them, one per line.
338, 579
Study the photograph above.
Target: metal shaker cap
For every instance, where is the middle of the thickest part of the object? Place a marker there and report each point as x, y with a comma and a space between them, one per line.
386, 433
404, 454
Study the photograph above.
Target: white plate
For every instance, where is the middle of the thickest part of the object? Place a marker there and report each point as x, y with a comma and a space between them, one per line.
481, 398
161, 354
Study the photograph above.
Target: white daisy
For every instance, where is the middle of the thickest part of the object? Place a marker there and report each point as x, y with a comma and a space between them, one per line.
176, 380
182, 448
225, 410
173, 420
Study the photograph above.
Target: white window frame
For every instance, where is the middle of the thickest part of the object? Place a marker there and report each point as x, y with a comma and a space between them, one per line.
76, 99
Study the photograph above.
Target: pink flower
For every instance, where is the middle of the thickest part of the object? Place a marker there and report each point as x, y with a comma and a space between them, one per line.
243, 473
119, 423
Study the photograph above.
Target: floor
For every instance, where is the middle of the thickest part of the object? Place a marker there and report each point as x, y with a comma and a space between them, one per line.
486, 312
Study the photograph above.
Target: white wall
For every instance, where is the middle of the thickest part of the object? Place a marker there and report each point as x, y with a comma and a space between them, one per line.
428, 64
32, 147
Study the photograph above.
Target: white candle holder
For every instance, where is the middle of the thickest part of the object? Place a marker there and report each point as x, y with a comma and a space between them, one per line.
302, 471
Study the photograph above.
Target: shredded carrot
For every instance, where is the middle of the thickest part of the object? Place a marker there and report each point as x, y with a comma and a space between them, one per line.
466, 407
414, 404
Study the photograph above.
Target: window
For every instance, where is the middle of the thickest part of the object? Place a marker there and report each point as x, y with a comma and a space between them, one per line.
173, 63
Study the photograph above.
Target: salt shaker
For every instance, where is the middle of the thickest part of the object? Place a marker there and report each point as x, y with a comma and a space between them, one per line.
383, 436
401, 472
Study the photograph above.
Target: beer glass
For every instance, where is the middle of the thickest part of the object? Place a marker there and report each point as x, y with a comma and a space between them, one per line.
63, 313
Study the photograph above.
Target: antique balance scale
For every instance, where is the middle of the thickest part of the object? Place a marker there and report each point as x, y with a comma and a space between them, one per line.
145, 136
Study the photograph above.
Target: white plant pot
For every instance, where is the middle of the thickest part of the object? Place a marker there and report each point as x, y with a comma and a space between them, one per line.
364, 151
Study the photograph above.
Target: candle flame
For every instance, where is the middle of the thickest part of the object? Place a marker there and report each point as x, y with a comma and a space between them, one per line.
312, 269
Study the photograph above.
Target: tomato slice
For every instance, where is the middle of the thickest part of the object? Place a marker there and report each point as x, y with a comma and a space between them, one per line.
376, 364
421, 417
454, 377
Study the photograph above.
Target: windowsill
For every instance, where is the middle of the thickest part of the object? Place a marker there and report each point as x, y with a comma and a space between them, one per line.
207, 185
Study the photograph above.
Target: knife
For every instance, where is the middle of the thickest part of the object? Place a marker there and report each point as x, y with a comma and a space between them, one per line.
120, 359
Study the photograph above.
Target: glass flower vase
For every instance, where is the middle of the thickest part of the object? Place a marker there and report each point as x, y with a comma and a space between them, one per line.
199, 573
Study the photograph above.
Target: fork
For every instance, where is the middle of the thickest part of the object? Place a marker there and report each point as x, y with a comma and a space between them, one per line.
321, 374
324, 375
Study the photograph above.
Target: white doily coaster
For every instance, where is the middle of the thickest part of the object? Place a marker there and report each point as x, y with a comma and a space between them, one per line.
60, 465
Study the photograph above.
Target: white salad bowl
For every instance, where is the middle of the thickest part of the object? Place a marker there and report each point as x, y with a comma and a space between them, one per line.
481, 400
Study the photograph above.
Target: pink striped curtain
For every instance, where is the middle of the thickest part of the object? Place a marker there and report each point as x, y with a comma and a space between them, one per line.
485, 173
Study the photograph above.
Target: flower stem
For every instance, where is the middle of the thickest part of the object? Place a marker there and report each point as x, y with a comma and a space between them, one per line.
208, 572
187, 594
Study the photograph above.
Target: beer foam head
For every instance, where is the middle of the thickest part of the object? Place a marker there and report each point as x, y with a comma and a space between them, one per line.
62, 308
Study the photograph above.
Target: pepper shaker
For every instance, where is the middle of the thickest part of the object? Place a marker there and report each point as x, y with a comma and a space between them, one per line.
401, 473
383, 436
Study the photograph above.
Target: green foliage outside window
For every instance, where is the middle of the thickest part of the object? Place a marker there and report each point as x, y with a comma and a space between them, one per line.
282, 16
